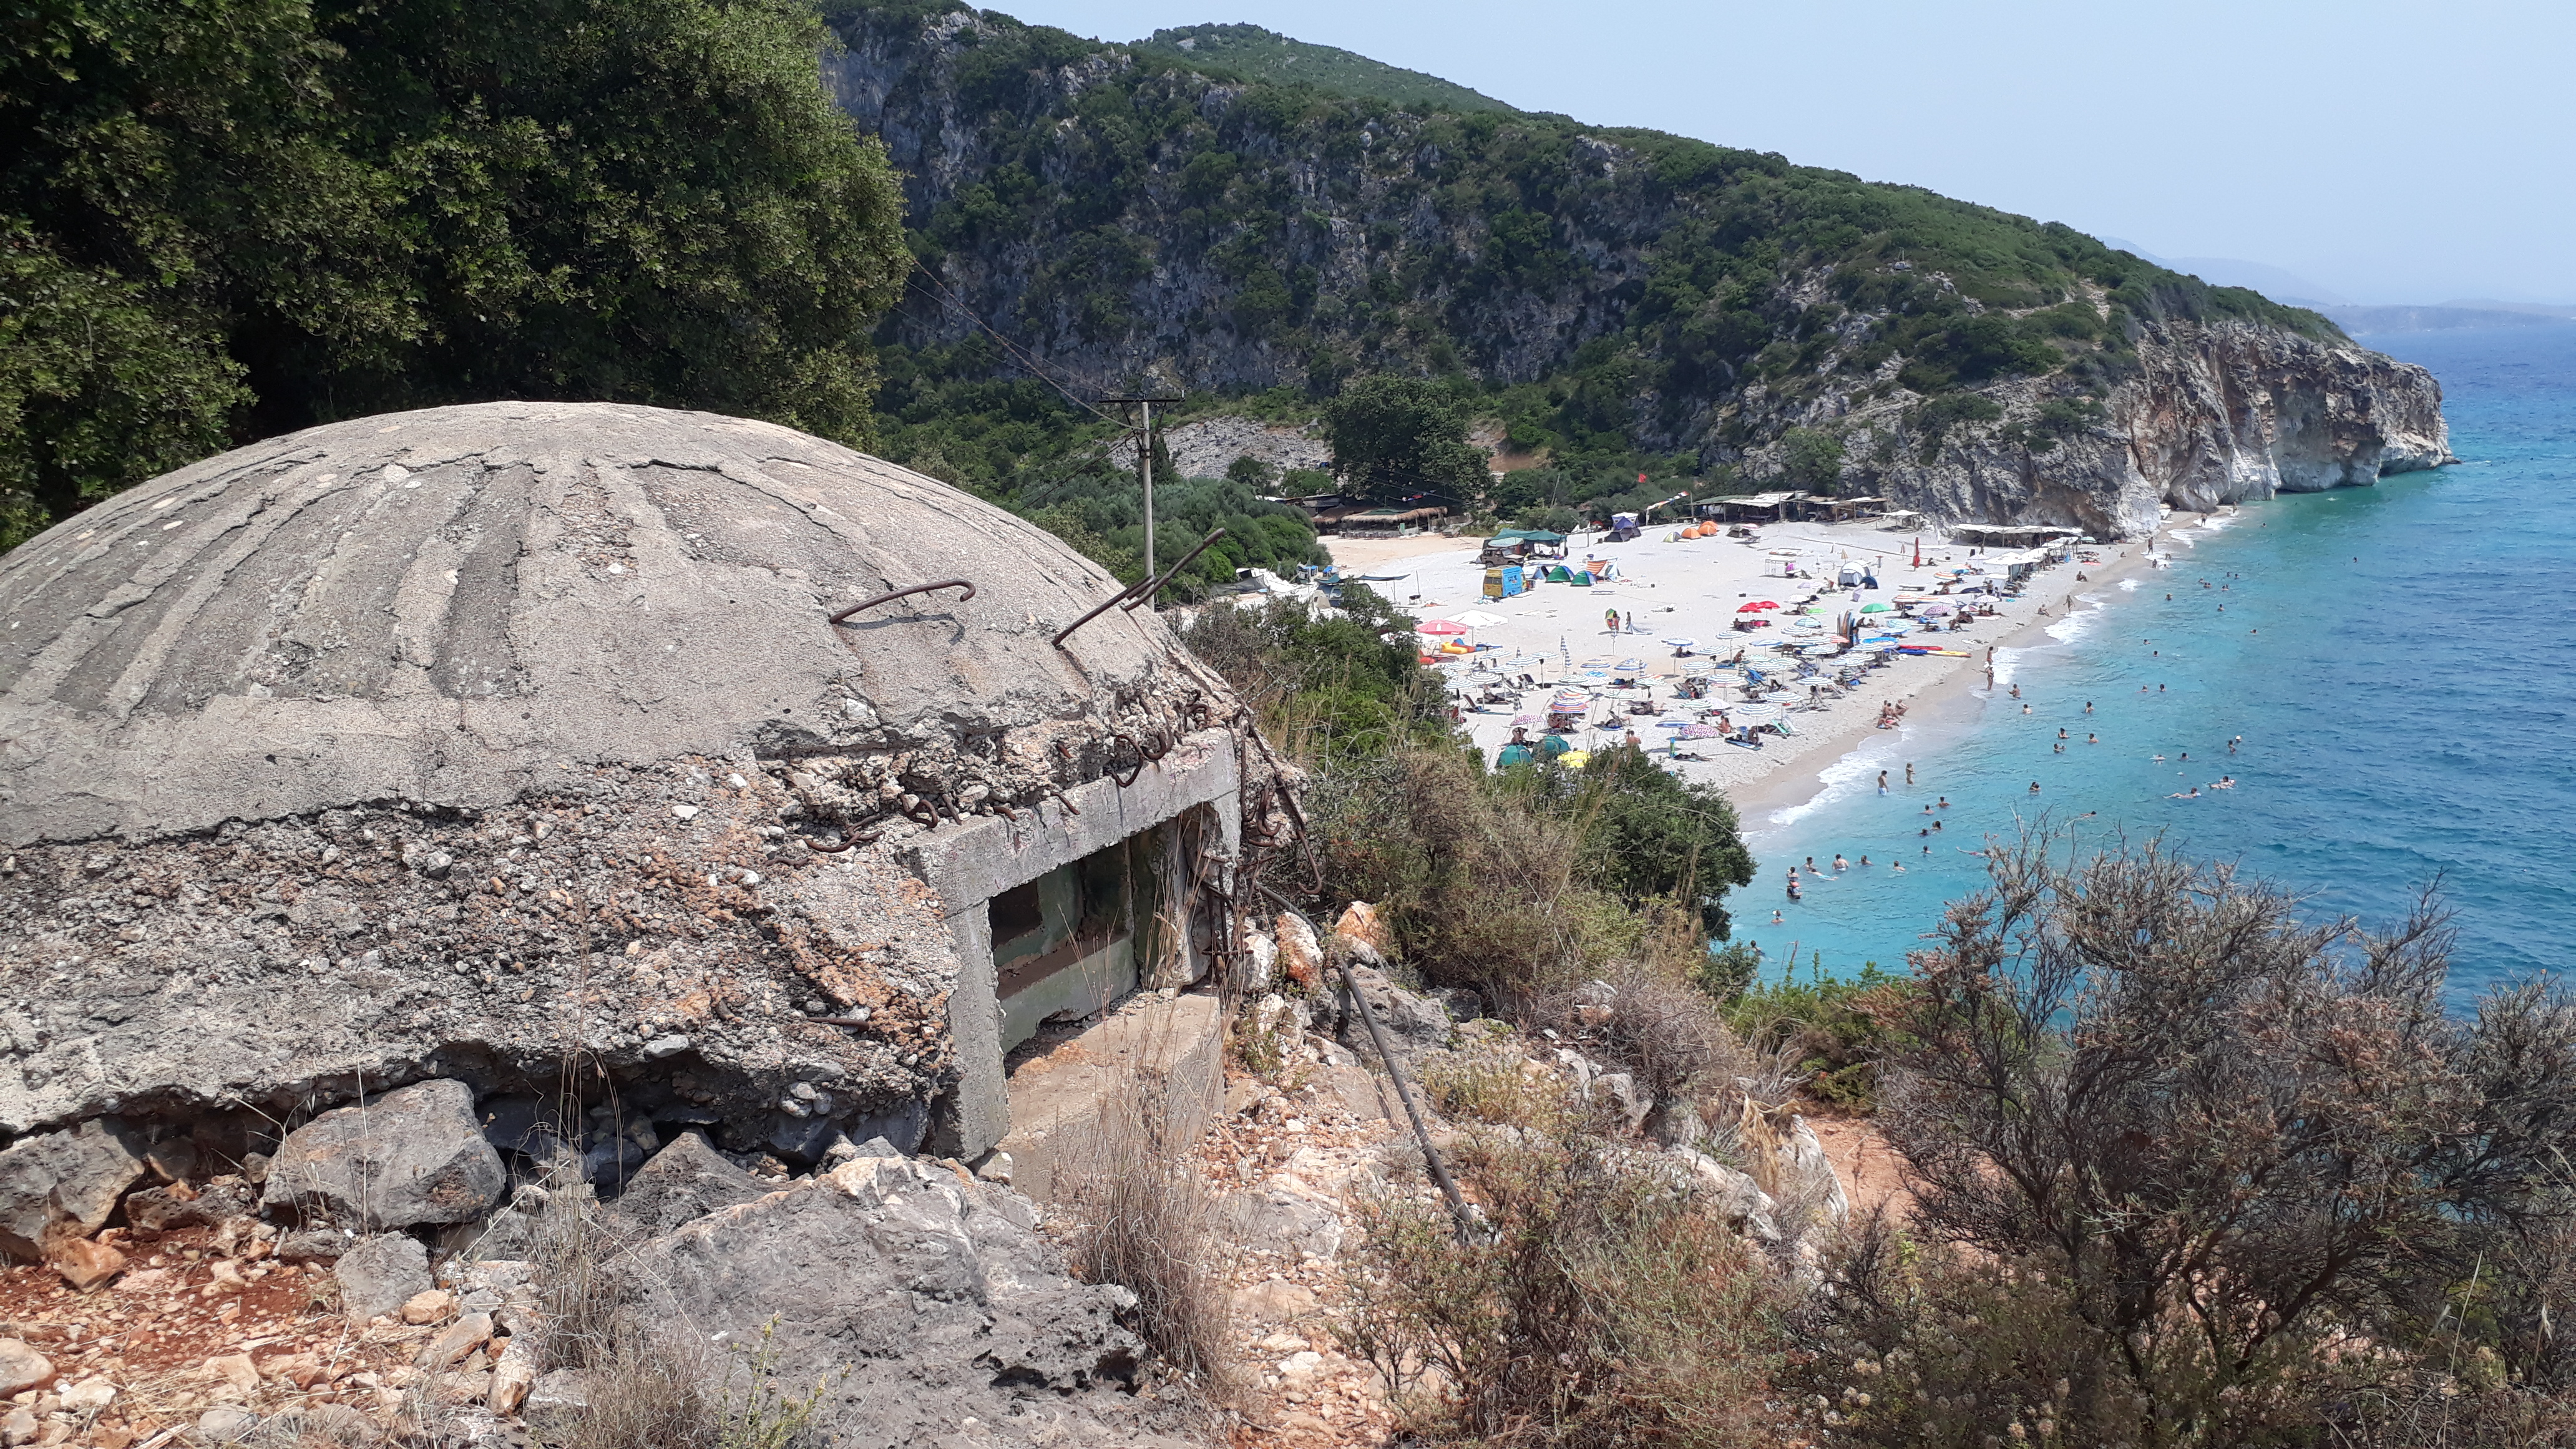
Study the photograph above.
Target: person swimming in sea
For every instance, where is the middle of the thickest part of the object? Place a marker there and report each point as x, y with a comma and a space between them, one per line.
2225, 782
1840, 863
2159, 759
2092, 739
1897, 866
2061, 747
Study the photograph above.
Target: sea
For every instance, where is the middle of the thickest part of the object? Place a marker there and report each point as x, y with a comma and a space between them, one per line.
2384, 673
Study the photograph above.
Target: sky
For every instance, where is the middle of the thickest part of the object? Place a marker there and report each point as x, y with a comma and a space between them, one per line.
2389, 152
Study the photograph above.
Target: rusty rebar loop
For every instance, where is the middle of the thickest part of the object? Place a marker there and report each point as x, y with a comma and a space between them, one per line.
1141, 759
922, 812
1153, 586
849, 838
899, 593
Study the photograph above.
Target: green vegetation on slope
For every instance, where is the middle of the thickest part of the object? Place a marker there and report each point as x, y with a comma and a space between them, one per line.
228, 220
1252, 53
1625, 300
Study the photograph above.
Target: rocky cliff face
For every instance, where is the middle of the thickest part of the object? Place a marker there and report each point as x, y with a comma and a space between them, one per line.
1126, 221
2216, 413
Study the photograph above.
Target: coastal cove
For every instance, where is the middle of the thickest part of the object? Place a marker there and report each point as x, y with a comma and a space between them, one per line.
2391, 657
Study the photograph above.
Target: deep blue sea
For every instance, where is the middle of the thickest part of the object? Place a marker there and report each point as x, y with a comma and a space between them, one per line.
2399, 661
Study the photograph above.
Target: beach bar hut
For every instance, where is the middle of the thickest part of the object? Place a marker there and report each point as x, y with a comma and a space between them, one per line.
1391, 522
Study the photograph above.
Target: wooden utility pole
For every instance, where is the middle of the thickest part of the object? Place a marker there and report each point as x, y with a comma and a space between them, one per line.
1145, 464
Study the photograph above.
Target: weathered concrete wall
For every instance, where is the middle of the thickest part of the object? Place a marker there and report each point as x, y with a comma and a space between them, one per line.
971, 866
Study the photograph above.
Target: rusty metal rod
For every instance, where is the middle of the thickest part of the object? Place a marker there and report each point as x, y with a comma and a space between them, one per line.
1147, 590
915, 589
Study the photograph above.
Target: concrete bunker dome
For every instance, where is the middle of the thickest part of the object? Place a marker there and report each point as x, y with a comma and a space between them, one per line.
469, 741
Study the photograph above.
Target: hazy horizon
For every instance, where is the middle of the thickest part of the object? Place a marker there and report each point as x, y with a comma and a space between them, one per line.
2281, 135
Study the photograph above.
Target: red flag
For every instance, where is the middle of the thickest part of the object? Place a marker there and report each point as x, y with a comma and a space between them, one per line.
1641, 478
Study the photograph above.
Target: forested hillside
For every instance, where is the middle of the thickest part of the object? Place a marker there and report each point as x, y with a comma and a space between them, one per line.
1617, 300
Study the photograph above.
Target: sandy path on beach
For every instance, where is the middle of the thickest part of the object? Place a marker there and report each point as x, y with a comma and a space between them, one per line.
1692, 589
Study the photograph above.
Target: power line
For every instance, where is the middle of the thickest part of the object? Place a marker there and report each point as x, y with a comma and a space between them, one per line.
1013, 349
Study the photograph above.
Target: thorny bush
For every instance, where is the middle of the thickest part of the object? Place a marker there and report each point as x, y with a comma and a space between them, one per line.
1602, 1305
2233, 1150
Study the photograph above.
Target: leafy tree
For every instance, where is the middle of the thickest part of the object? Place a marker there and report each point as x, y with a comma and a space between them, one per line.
1257, 474
1810, 458
1653, 836
236, 218
1394, 437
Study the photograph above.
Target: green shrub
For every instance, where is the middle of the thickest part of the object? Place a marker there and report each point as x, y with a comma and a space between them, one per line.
1840, 1032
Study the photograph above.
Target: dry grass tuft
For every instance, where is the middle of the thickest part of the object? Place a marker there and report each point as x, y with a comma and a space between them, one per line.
1143, 1219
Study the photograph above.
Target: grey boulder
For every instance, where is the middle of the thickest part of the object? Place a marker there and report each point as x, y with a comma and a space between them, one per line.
939, 1303
686, 1180
410, 1157
65, 1183
380, 1274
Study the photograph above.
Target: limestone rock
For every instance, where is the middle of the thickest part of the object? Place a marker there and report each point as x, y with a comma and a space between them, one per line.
1414, 1026
412, 1156
168, 1209
89, 1395
65, 1182
1274, 1303
684, 1181
1274, 1221
1739, 1197
1360, 922
235, 1369
432, 1305
459, 1339
21, 1367
1808, 1175
84, 1264
513, 1375
224, 1424
380, 1275
1301, 956
941, 1306
554, 1400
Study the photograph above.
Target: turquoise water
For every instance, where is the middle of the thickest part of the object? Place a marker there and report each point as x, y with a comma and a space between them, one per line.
2396, 660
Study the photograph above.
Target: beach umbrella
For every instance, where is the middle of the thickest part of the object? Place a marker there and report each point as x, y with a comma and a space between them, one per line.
1755, 607
1876, 608
1439, 627
1479, 619
1782, 696
1525, 719
1672, 724
1934, 611
1700, 732
1754, 713
1628, 666
1682, 643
